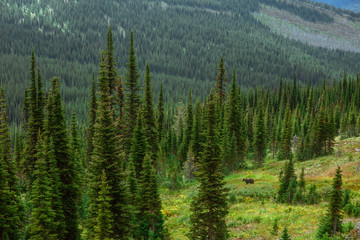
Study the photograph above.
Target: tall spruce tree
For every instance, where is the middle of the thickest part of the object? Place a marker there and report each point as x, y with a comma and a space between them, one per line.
285, 144
68, 172
104, 219
110, 64
221, 80
138, 148
132, 95
92, 118
149, 118
259, 136
43, 222
9, 195
150, 216
331, 224
160, 115
209, 208
107, 155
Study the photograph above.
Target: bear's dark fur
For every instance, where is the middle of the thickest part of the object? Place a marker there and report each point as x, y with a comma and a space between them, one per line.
248, 180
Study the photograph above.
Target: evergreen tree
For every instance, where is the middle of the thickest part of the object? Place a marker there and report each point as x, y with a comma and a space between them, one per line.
35, 106
132, 95
149, 118
107, 155
138, 148
104, 219
92, 118
43, 222
150, 216
65, 162
184, 146
209, 208
10, 212
332, 222
221, 80
259, 136
285, 235
110, 63
160, 115
286, 181
285, 145
302, 181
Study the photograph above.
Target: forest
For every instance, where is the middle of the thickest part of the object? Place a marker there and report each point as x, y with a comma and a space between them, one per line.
106, 180
180, 40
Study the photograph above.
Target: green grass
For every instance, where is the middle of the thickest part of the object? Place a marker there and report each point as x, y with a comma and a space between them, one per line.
253, 208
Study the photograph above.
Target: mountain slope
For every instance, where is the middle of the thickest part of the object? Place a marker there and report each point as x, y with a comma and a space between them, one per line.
181, 40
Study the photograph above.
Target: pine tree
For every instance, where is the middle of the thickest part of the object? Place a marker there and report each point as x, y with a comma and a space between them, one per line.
285, 145
302, 182
120, 103
110, 64
43, 222
196, 135
132, 95
209, 208
160, 116
69, 188
149, 118
332, 222
9, 196
107, 155
221, 80
286, 181
92, 118
104, 219
184, 146
285, 235
35, 106
76, 148
150, 216
259, 136
138, 148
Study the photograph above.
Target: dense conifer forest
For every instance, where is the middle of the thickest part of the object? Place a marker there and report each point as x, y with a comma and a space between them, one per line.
180, 40
63, 180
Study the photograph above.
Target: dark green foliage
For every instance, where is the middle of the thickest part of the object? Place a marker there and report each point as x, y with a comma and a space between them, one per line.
92, 118
43, 222
10, 214
104, 219
275, 228
312, 196
209, 208
346, 198
132, 95
160, 116
65, 162
148, 116
259, 144
220, 84
150, 217
287, 183
138, 147
285, 144
285, 235
331, 223
110, 63
107, 156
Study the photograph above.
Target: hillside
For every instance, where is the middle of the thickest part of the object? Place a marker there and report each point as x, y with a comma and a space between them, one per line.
253, 207
181, 41
352, 5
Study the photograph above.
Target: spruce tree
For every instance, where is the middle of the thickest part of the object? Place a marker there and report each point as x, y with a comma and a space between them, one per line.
68, 173
92, 118
10, 212
259, 136
138, 148
160, 115
331, 224
285, 144
132, 95
149, 118
43, 222
150, 216
221, 80
286, 181
110, 64
285, 235
107, 155
184, 146
104, 219
35, 123
209, 208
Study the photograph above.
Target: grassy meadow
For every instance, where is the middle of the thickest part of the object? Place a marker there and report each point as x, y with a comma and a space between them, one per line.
253, 208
